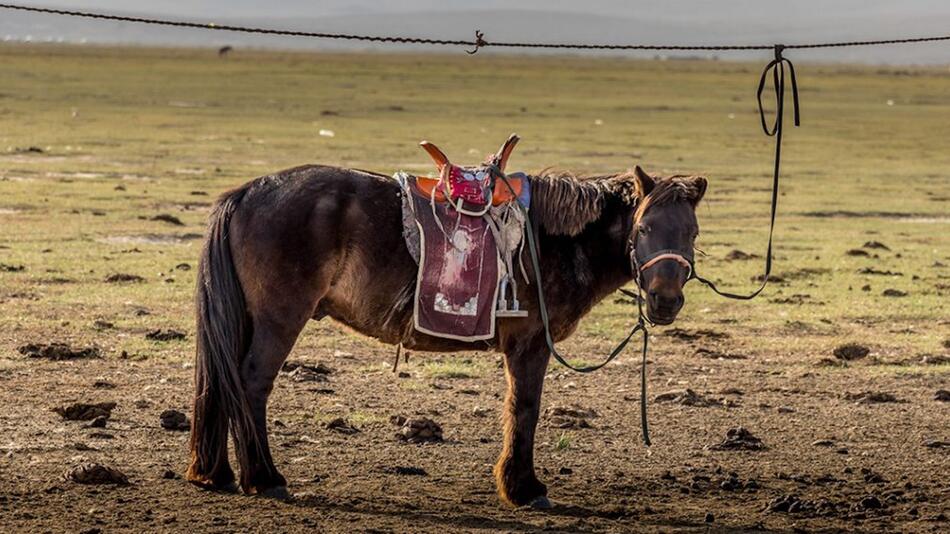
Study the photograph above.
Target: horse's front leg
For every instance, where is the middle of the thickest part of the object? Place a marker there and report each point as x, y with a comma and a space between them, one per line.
514, 473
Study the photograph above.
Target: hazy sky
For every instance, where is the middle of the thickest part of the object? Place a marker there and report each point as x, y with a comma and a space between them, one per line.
591, 21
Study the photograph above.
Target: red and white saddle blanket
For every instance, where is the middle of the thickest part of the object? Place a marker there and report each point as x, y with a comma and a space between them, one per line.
459, 272
463, 229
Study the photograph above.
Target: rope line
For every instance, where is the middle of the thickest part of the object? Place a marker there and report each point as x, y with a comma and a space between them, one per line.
478, 43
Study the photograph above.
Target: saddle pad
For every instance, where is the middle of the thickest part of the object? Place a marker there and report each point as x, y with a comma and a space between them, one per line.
459, 271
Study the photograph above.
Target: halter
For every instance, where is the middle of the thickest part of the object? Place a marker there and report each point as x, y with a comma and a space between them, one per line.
683, 257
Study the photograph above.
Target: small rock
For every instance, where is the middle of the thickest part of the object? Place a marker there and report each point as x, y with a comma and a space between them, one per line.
480, 411
823, 443
785, 409
866, 287
851, 351
872, 477
870, 502
942, 395
173, 420
934, 444
168, 474
565, 471
709, 517
857, 252
93, 473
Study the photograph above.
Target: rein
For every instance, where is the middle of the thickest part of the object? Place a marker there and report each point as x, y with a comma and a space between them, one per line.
685, 258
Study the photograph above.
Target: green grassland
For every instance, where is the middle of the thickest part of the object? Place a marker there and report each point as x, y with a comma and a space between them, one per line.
128, 134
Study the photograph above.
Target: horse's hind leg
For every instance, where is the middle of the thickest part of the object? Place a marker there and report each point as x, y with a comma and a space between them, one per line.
271, 343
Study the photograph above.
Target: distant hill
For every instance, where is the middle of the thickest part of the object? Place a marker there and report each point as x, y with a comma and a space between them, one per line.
608, 22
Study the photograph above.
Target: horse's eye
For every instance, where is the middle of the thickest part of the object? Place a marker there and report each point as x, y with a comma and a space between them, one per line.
644, 229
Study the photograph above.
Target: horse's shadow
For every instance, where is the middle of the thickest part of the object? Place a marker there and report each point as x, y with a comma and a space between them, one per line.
462, 520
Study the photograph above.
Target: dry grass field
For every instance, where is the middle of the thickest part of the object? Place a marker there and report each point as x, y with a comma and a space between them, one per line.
110, 159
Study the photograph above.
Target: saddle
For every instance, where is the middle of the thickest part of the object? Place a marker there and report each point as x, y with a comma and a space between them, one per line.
465, 228
470, 190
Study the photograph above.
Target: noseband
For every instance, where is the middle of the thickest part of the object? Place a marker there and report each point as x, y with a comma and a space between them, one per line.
667, 254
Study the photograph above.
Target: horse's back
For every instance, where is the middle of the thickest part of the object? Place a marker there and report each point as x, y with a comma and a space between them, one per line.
322, 240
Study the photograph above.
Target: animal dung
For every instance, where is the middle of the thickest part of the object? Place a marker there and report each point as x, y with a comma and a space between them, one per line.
82, 411
165, 335
738, 439
420, 430
93, 473
173, 420
851, 351
342, 426
58, 351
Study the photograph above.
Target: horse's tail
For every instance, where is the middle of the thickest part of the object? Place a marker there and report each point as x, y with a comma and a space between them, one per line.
223, 337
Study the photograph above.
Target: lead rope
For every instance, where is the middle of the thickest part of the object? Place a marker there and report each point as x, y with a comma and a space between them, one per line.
777, 67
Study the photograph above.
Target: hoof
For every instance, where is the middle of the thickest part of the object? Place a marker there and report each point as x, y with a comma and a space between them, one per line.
209, 485
541, 503
279, 493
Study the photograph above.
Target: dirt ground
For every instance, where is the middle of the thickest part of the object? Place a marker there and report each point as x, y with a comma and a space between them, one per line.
113, 156
819, 447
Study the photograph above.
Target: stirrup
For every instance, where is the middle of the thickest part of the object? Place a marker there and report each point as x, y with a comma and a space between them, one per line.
502, 309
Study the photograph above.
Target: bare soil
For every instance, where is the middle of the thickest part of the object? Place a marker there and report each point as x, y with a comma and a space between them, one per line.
813, 452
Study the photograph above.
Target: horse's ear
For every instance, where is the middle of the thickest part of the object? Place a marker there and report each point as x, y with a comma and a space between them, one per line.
700, 182
645, 182
501, 157
437, 155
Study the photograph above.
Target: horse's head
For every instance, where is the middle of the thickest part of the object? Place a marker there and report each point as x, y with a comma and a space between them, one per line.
661, 243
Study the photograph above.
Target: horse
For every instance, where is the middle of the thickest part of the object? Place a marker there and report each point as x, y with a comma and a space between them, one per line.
318, 241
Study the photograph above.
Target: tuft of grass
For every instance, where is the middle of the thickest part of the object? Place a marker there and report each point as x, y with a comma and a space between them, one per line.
451, 368
361, 418
563, 442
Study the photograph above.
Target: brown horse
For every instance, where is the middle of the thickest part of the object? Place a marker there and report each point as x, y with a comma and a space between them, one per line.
316, 241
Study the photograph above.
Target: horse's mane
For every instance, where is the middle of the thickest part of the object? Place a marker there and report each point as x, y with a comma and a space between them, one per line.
565, 203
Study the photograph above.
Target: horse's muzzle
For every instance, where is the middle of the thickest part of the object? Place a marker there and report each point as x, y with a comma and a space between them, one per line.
664, 305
